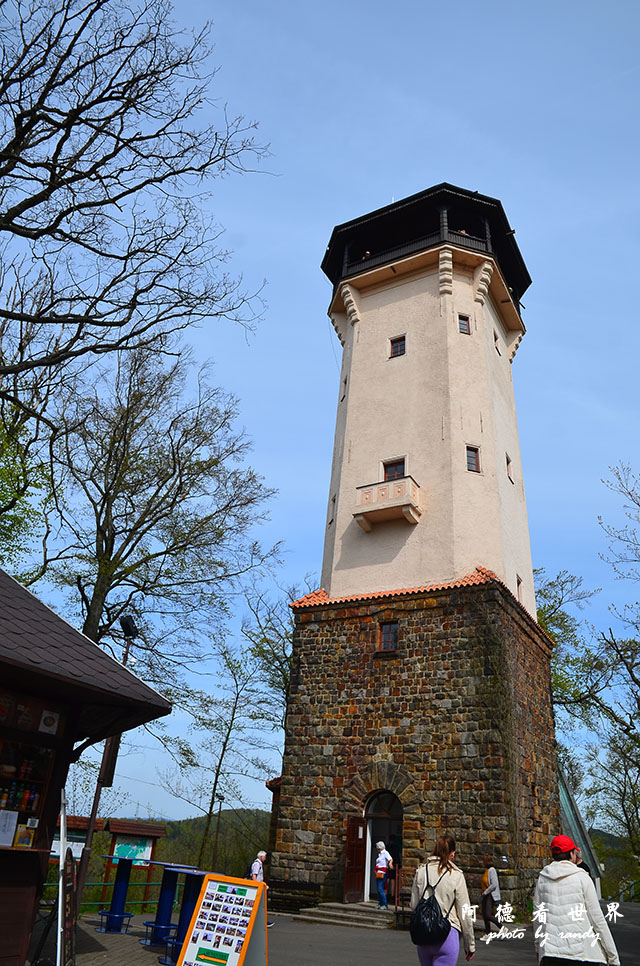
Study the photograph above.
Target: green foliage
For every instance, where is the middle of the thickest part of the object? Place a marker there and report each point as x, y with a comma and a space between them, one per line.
621, 866
614, 791
268, 631
555, 596
596, 683
158, 511
228, 743
22, 485
243, 832
572, 767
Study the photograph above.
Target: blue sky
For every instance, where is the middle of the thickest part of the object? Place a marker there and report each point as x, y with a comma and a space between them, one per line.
363, 103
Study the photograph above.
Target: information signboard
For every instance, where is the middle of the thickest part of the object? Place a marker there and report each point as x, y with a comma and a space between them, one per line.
76, 846
127, 847
229, 924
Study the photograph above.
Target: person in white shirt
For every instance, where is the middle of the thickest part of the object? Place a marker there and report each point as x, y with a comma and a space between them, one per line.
257, 869
568, 921
384, 863
257, 873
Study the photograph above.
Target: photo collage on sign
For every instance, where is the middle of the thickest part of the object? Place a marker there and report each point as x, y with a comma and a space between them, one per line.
221, 925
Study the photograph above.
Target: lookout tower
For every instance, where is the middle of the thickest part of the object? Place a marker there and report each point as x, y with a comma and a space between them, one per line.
420, 696
426, 482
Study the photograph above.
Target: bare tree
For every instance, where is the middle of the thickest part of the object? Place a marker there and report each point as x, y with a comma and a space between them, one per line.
154, 509
106, 157
596, 674
624, 541
267, 628
232, 718
614, 792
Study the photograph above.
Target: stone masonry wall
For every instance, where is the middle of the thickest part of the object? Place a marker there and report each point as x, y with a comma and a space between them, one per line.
457, 722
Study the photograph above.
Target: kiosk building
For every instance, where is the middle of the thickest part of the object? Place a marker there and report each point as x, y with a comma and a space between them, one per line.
59, 693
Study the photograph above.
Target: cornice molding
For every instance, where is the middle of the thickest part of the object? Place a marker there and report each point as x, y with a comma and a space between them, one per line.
350, 304
445, 271
481, 281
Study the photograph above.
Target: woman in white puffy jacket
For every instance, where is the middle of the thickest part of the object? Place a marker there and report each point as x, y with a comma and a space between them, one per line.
569, 925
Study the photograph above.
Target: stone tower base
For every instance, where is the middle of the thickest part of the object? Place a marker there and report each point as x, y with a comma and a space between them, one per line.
455, 722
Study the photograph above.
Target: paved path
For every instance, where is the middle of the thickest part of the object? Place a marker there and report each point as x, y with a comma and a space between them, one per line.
293, 943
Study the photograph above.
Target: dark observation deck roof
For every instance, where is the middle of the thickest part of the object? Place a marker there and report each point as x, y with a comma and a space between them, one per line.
439, 215
40, 653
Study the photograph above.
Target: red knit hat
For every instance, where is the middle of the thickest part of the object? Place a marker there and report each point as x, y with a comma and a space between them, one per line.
562, 843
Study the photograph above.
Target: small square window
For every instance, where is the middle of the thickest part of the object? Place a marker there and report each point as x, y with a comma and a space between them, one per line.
394, 470
519, 588
496, 342
464, 324
473, 459
398, 346
389, 636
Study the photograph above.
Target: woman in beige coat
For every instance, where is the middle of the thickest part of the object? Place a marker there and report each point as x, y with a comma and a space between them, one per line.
451, 894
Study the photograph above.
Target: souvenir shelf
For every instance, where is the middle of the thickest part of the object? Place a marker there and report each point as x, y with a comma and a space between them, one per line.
27, 728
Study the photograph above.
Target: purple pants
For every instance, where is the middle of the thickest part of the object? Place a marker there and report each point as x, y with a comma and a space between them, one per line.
442, 954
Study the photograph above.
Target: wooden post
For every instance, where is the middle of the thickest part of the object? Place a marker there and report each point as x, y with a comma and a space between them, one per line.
444, 224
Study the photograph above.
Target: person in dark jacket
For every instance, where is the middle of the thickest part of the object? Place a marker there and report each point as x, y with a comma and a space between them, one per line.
490, 894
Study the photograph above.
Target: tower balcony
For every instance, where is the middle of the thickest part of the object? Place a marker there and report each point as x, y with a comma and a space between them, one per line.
391, 500
357, 262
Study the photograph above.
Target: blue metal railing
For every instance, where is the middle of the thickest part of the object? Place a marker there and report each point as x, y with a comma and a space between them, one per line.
88, 905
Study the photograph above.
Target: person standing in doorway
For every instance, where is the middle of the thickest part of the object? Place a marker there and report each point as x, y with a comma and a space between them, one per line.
490, 894
384, 863
394, 851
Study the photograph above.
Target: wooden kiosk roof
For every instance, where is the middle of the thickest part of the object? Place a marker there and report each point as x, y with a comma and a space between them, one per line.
42, 652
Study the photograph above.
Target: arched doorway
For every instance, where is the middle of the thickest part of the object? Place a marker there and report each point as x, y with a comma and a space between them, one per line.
383, 815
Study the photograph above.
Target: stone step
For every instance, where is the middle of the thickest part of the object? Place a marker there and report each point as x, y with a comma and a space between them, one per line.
345, 911
364, 915
358, 908
363, 923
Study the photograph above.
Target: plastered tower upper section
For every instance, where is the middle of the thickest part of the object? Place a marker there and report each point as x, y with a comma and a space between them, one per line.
426, 481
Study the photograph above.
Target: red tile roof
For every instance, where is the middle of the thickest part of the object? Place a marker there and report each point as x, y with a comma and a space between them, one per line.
81, 823
125, 826
320, 597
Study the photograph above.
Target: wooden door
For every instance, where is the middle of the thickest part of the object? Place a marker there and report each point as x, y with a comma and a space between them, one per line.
356, 851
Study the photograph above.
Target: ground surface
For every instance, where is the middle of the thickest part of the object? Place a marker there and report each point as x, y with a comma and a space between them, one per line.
293, 943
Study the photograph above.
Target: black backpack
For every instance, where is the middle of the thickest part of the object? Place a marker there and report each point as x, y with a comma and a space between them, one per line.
428, 927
